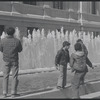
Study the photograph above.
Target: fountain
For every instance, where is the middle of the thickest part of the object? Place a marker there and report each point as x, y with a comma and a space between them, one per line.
39, 50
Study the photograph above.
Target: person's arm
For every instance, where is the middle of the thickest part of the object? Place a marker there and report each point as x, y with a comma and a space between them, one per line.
1, 47
19, 47
57, 58
68, 58
85, 50
88, 62
72, 62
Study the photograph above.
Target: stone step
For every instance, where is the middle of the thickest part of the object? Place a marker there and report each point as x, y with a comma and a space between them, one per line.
91, 95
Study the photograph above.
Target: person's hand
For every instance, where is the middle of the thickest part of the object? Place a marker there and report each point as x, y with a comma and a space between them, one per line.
68, 66
57, 66
72, 70
92, 67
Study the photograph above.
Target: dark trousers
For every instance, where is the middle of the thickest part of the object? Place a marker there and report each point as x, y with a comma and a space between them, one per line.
62, 76
77, 80
6, 71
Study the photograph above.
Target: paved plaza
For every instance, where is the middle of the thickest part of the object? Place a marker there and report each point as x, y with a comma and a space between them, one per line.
45, 81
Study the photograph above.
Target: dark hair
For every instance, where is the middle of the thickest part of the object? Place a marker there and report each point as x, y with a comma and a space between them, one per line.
66, 43
79, 40
10, 31
78, 47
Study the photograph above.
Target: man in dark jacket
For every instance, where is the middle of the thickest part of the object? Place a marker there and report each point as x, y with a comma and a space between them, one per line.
78, 63
10, 47
61, 60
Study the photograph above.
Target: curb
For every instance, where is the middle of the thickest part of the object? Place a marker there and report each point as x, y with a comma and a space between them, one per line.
54, 88
32, 71
38, 93
40, 70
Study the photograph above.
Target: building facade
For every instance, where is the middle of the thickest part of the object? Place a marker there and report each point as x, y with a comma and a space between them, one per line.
50, 15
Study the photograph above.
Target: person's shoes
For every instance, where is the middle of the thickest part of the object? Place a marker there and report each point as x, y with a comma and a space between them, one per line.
63, 87
59, 87
4, 95
15, 95
82, 83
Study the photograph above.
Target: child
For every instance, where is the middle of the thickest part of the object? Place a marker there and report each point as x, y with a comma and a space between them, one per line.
61, 60
78, 63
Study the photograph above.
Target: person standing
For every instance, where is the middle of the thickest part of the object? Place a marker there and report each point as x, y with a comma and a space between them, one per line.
78, 63
61, 60
10, 47
84, 49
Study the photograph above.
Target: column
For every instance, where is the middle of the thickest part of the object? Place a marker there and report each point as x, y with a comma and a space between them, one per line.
97, 8
81, 10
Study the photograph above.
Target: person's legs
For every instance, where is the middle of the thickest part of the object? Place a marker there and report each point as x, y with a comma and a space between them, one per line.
15, 70
82, 83
75, 86
82, 78
76, 83
64, 76
6, 71
60, 78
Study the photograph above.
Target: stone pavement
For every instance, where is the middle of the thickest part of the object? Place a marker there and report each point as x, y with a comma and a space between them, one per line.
31, 81
92, 90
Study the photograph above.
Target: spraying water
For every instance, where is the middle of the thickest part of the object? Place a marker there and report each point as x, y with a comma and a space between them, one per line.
39, 50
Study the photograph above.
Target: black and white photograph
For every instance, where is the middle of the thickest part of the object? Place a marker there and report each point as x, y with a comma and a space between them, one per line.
49, 49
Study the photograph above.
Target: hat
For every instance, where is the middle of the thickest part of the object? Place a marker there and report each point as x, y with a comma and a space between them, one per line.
66, 43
